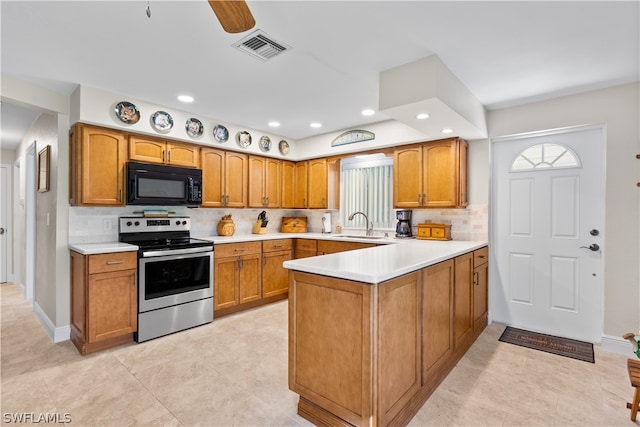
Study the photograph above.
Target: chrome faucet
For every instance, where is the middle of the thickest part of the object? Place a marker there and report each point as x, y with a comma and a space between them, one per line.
369, 227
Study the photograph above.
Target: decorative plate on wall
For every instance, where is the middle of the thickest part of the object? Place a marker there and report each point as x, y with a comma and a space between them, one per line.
264, 143
284, 147
162, 121
243, 138
194, 127
220, 133
127, 112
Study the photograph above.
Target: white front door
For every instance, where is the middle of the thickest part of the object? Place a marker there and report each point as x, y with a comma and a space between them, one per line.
547, 236
4, 211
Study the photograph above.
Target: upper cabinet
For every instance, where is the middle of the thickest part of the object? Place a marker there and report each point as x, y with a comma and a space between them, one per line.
264, 182
96, 165
431, 175
153, 150
311, 184
224, 178
288, 182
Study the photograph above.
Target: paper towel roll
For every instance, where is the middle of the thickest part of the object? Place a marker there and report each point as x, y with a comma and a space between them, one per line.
326, 223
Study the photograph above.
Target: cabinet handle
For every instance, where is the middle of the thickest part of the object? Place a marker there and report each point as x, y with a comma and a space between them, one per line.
169, 157
419, 199
120, 195
163, 156
240, 249
424, 199
238, 264
278, 245
304, 203
482, 256
324, 202
267, 204
475, 278
226, 203
264, 260
115, 262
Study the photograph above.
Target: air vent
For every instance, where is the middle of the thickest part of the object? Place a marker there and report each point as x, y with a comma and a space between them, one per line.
261, 46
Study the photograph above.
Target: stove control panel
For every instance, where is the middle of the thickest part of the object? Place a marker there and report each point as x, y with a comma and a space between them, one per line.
141, 225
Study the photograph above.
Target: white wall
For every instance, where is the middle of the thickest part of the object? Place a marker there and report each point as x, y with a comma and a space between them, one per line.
618, 108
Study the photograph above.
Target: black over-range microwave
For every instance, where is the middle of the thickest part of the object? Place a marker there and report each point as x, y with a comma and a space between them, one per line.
153, 184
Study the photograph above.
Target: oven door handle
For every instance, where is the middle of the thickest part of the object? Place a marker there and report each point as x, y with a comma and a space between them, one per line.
204, 249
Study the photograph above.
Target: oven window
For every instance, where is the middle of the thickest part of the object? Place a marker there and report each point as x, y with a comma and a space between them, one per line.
161, 188
163, 278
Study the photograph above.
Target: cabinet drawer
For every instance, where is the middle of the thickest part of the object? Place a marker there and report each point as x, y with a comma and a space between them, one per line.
424, 232
306, 245
277, 245
480, 256
237, 249
102, 263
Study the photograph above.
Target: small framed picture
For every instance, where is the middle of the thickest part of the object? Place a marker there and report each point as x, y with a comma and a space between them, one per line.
43, 169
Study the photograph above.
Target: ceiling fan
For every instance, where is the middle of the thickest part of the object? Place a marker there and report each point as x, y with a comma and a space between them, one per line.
234, 15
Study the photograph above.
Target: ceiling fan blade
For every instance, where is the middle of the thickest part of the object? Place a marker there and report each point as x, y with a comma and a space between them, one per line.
234, 15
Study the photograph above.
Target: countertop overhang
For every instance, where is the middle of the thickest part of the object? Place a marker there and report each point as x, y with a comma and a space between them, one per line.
384, 262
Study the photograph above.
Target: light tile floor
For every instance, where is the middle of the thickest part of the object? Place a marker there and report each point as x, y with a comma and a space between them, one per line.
234, 372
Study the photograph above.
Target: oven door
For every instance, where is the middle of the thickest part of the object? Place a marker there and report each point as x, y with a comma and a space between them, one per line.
174, 278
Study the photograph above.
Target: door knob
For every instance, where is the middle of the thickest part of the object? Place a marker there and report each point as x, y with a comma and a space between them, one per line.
592, 247
1, 231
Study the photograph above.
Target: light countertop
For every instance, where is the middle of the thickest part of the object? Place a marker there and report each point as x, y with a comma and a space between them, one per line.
384, 262
102, 248
217, 240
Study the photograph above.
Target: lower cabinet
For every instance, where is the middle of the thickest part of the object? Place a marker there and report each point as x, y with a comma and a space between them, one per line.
275, 278
306, 248
247, 275
104, 308
372, 354
335, 246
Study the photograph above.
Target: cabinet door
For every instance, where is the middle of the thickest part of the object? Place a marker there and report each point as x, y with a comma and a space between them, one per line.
288, 185
272, 186
235, 178
103, 155
187, 155
480, 288
301, 201
275, 278
225, 282
250, 278
407, 177
334, 246
317, 184
463, 298
112, 305
213, 164
257, 196
441, 174
149, 150
437, 319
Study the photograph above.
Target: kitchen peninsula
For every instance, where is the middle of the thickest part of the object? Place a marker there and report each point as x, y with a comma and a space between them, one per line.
373, 332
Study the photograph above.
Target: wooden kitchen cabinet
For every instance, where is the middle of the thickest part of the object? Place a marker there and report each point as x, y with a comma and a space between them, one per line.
311, 188
463, 299
437, 320
288, 182
431, 175
306, 248
237, 274
97, 158
104, 308
155, 150
275, 278
224, 178
480, 287
264, 182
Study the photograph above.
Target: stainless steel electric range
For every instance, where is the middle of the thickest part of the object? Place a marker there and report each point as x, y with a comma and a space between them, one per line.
175, 275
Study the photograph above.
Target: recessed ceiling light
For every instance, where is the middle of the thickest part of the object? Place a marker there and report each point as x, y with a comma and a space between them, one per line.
368, 112
185, 98
274, 124
422, 116
316, 125
446, 130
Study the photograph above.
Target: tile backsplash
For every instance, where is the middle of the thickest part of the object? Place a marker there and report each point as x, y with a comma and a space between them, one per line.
97, 225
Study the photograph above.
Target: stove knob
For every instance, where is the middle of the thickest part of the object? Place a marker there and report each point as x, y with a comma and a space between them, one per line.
184, 222
178, 222
137, 223
129, 223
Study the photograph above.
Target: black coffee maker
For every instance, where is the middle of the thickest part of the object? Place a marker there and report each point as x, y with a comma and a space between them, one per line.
403, 227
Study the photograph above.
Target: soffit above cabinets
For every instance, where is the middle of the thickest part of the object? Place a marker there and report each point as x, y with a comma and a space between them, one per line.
427, 86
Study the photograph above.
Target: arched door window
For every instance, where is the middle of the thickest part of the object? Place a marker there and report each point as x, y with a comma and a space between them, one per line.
545, 156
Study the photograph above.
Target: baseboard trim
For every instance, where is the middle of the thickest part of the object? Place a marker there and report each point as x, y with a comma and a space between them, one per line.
57, 334
616, 345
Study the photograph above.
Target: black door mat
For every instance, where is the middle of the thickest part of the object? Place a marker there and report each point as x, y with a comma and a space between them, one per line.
556, 345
